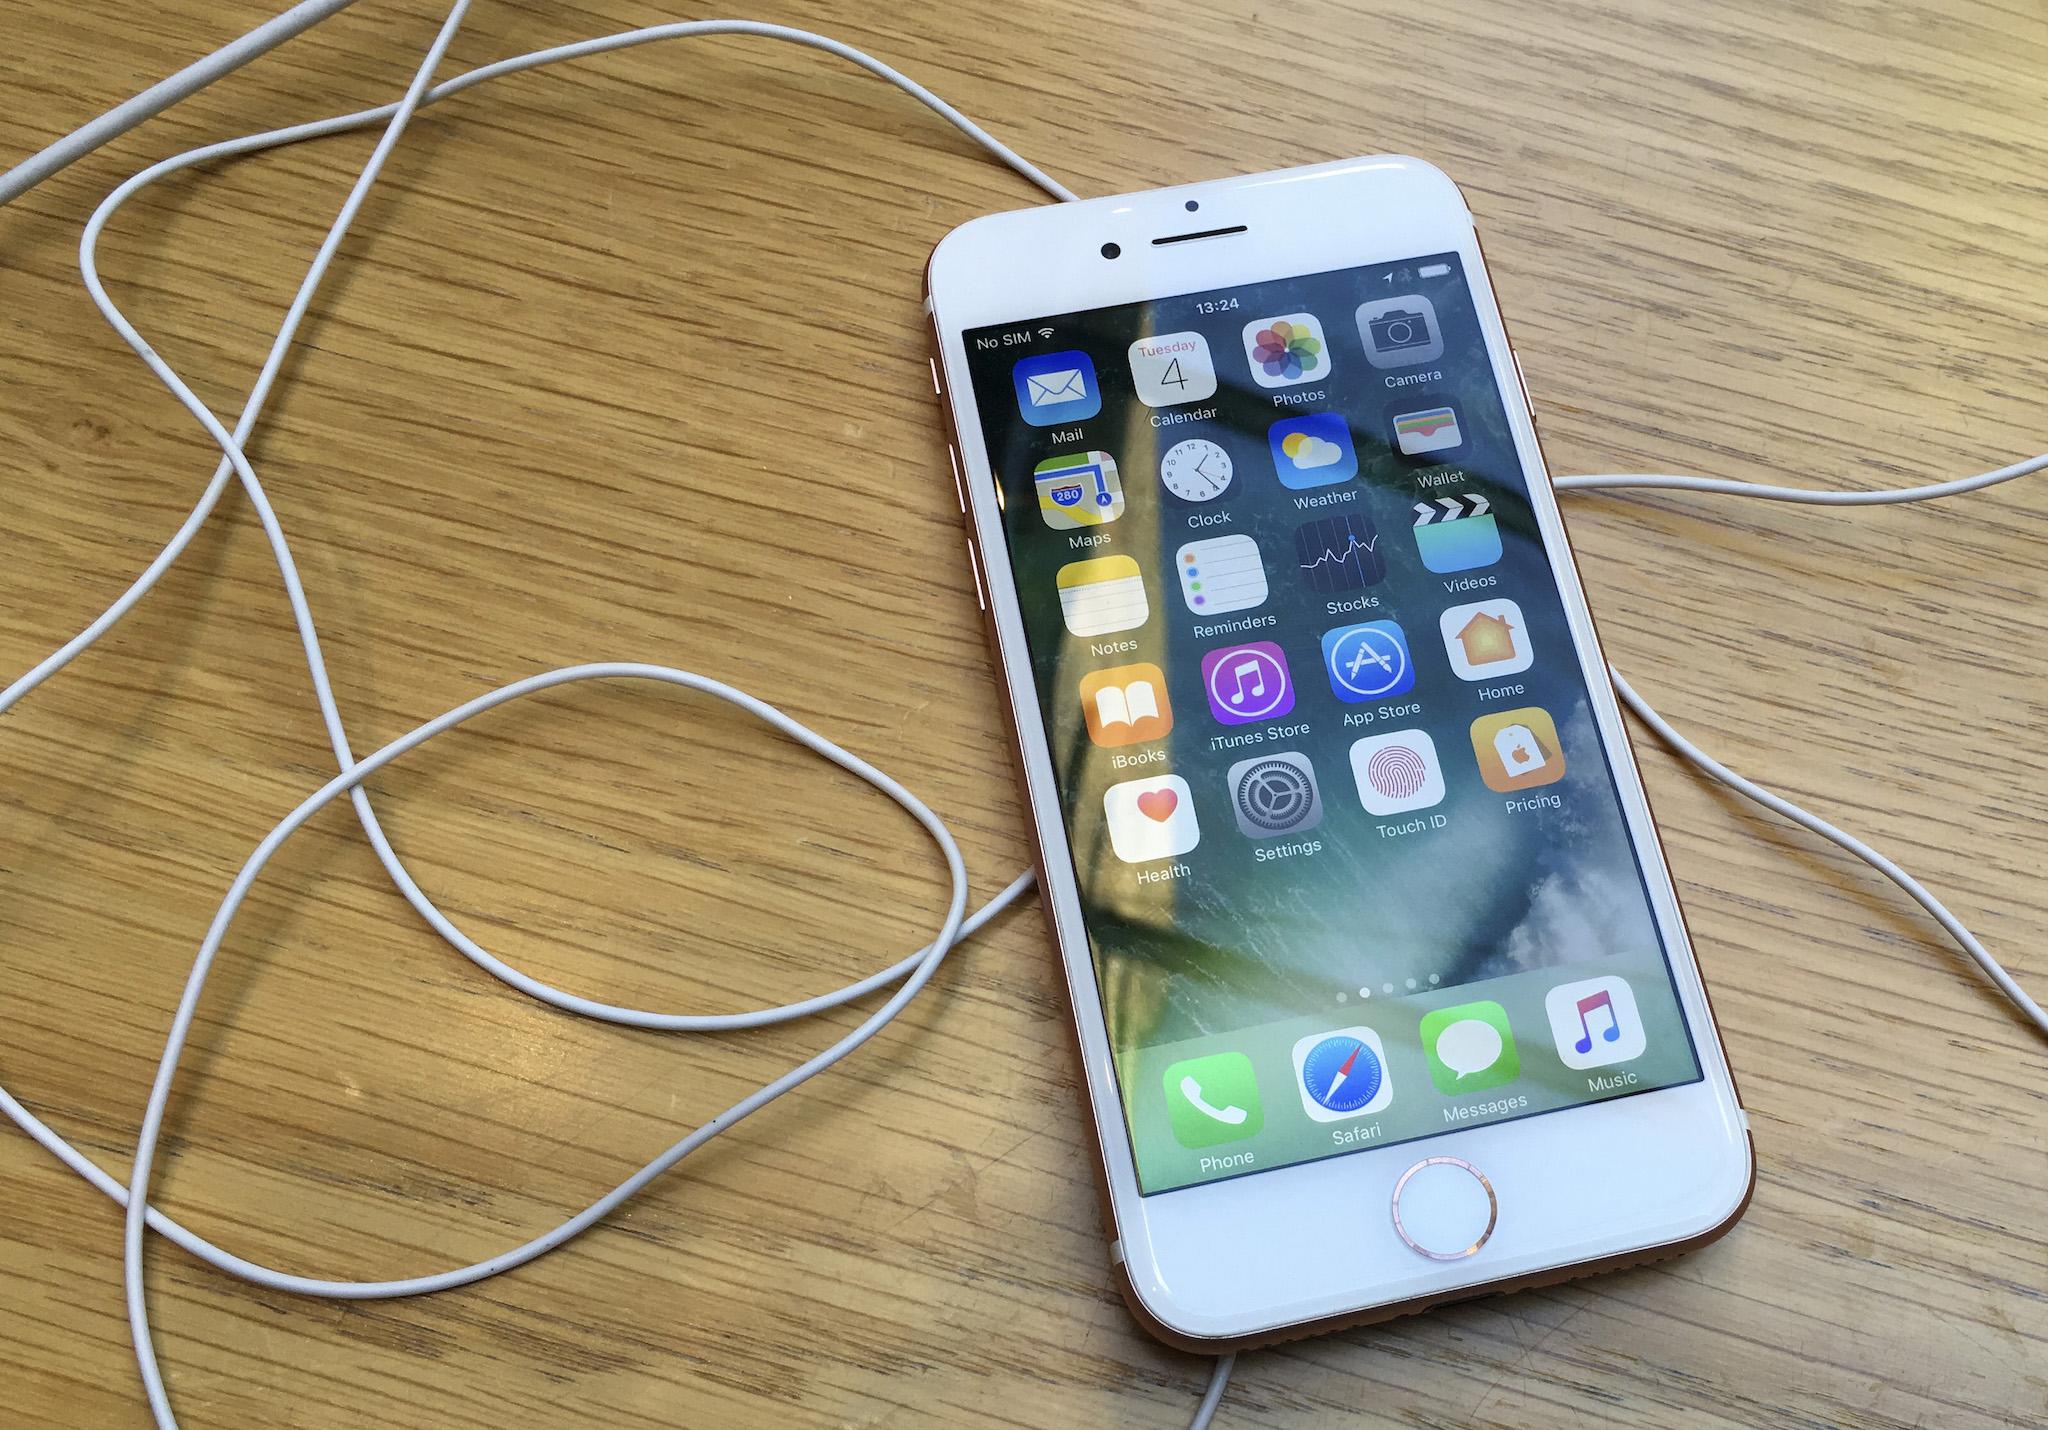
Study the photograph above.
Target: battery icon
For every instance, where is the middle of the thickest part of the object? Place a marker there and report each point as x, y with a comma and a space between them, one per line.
1434, 270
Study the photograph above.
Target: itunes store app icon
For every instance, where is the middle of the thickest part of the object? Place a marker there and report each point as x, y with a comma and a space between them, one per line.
1397, 772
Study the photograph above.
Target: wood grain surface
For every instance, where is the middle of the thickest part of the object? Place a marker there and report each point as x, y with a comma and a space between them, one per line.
624, 361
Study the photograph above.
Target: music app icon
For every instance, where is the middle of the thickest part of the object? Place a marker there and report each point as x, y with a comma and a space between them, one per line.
1595, 1023
1246, 683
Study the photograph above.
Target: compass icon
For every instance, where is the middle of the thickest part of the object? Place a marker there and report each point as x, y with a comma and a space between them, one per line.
1196, 470
1342, 1074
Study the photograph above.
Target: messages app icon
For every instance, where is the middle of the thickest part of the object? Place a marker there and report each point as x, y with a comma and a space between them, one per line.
1470, 1047
1053, 388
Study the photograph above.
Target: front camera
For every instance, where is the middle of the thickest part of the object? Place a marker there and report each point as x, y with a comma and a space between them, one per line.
1110, 250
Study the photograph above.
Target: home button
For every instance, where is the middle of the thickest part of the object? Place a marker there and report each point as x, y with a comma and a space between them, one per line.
1444, 1208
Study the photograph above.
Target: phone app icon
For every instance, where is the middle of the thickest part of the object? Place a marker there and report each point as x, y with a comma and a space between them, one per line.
1342, 1074
1150, 819
1053, 388
1368, 661
1456, 533
1079, 489
1430, 432
1172, 368
1486, 639
1196, 470
1339, 553
1517, 749
1595, 1022
1126, 705
1470, 1048
1275, 794
1102, 595
1312, 451
1247, 683
1223, 573
1213, 1099
1400, 332
1286, 351
1397, 773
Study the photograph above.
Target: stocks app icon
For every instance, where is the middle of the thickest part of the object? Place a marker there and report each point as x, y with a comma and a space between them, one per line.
1339, 553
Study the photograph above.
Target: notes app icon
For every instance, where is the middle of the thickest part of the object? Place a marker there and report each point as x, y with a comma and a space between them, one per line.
1126, 705
1103, 595
1595, 1023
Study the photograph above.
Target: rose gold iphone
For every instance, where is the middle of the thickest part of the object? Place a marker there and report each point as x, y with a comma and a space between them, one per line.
1379, 982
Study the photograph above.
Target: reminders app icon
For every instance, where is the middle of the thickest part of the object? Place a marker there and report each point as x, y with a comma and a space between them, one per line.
1056, 387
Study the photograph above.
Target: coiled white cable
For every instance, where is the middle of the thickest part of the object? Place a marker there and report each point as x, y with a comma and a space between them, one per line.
909, 973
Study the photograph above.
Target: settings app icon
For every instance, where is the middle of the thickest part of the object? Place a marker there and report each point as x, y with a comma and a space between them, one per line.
1275, 794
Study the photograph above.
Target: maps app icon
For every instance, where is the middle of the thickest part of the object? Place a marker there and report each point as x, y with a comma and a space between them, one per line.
1079, 489
1456, 533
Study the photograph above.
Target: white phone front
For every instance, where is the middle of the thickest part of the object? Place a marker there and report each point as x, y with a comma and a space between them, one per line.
1381, 988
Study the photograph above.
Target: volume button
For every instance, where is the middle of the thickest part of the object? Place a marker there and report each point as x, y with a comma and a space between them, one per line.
959, 492
974, 563
1522, 379
937, 391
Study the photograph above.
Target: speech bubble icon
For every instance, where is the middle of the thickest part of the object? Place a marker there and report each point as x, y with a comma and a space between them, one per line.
1468, 1047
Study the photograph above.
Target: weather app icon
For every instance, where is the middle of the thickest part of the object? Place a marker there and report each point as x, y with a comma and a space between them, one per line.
1312, 451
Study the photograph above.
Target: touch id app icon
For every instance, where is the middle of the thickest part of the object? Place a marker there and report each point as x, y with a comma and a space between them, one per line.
1398, 772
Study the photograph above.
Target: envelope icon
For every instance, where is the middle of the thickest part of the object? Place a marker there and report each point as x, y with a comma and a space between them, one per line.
1057, 388
1067, 385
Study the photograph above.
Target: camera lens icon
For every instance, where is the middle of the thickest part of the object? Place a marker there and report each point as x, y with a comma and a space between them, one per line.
1275, 794
1400, 332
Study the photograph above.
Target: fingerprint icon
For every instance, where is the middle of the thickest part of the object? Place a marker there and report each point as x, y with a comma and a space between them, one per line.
1397, 771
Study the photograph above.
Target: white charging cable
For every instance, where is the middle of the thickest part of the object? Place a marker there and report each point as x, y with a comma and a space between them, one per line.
909, 973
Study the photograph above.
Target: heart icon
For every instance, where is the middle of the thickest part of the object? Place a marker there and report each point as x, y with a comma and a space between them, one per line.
1158, 804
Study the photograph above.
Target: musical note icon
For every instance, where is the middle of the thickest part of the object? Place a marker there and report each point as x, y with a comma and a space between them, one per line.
1612, 1032
1256, 673
1247, 682
1595, 1022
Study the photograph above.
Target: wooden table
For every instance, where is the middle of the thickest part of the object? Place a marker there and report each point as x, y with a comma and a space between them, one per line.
624, 362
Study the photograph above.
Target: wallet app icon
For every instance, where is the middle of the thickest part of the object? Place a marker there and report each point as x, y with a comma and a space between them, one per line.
1053, 388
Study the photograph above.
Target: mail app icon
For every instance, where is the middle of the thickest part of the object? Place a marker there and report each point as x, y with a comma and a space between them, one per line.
1053, 388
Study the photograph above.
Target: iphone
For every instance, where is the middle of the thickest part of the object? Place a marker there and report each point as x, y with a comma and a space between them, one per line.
1379, 983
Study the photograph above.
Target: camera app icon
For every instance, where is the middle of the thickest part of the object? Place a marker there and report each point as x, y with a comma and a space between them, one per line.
1400, 332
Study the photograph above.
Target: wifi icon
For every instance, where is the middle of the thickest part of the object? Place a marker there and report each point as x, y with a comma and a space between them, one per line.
1045, 332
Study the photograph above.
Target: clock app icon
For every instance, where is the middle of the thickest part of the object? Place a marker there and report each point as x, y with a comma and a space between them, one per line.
1196, 470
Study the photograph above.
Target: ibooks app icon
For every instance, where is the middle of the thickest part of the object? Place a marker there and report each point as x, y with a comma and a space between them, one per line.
1126, 705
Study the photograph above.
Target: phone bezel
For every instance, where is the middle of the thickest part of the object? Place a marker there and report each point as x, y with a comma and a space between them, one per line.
1251, 1257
